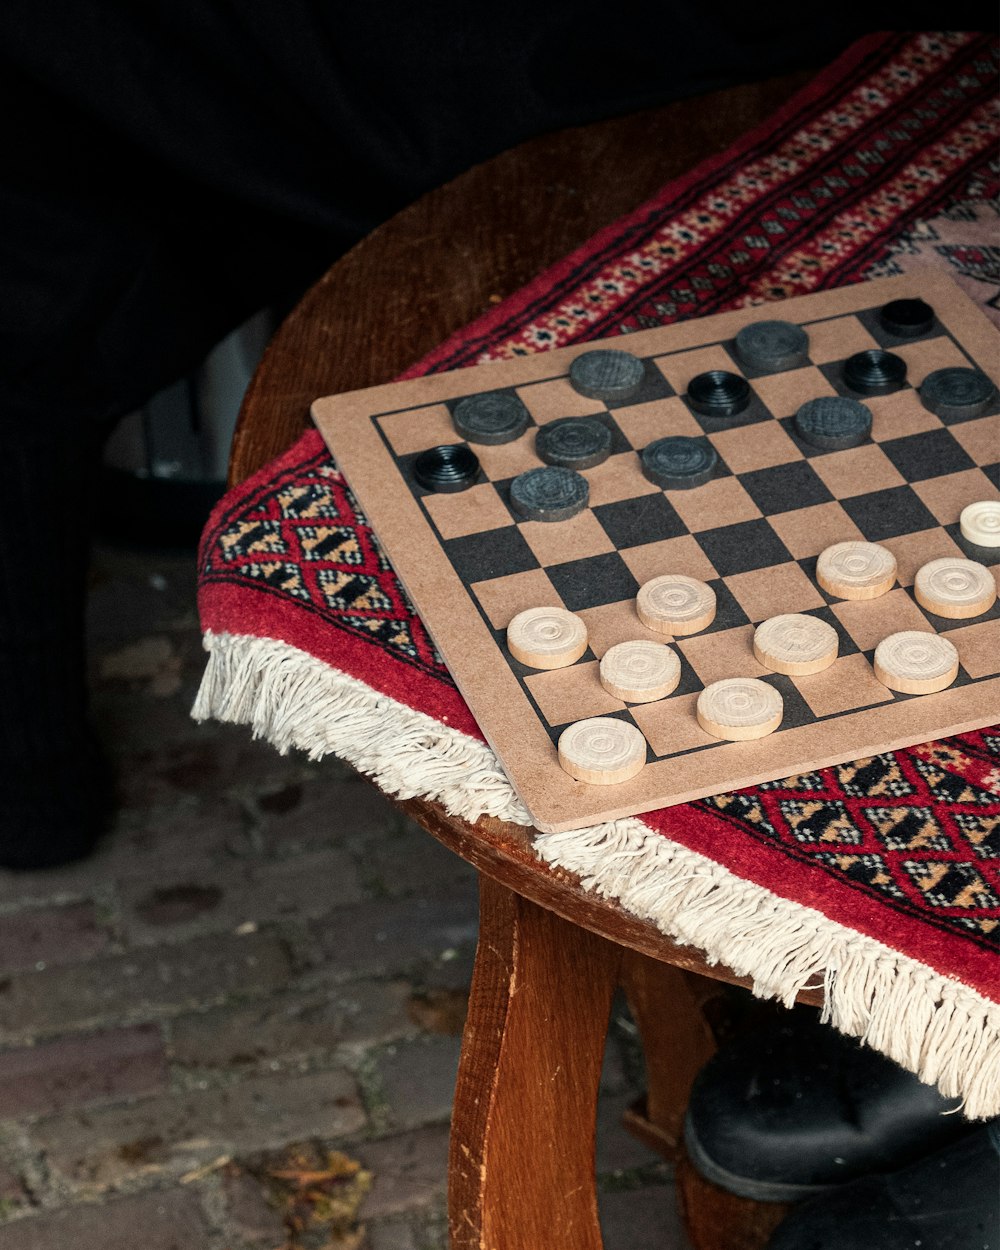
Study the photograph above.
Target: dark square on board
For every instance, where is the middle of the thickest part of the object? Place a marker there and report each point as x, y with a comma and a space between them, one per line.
785, 487
888, 513
593, 581
931, 454
743, 547
491, 553
641, 519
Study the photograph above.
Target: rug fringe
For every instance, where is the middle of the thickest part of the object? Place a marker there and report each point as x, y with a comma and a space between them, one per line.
942, 1030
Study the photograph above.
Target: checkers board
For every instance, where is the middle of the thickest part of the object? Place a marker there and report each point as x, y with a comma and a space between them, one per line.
753, 532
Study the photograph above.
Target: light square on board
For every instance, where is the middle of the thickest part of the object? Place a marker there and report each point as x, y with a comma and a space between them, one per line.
643, 423
868, 621
898, 415
729, 653
947, 496
503, 597
769, 592
980, 438
418, 428
555, 542
468, 511
930, 354
680, 368
978, 647
722, 498
504, 460
673, 555
548, 401
619, 477
849, 682
837, 339
785, 393
755, 447
857, 471
809, 531
914, 550
670, 725
613, 623
570, 694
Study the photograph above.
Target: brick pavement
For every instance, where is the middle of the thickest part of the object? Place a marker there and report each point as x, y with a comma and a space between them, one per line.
261, 969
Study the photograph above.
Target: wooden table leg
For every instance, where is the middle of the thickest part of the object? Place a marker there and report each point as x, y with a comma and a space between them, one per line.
677, 1041
521, 1173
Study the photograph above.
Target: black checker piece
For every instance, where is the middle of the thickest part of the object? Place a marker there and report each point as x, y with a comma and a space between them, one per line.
718, 393
490, 553
773, 345
641, 519
874, 372
613, 377
833, 422
574, 442
593, 581
743, 547
678, 462
907, 318
785, 487
549, 494
957, 394
446, 469
889, 513
491, 418
931, 454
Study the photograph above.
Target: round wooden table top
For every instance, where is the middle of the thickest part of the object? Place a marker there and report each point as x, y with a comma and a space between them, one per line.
433, 268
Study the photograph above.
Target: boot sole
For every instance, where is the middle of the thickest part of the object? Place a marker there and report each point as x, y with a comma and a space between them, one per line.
744, 1186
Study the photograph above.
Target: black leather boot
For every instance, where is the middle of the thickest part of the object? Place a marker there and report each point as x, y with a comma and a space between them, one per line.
948, 1201
788, 1112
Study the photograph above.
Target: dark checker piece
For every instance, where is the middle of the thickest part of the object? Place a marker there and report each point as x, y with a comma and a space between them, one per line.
574, 442
833, 422
612, 376
874, 372
718, 393
773, 345
446, 469
679, 463
493, 417
957, 392
551, 494
907, 318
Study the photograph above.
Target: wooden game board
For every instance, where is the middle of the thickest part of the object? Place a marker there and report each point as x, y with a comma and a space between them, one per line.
753, 533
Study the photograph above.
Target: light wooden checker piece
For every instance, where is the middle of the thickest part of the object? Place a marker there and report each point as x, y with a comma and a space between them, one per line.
752, 534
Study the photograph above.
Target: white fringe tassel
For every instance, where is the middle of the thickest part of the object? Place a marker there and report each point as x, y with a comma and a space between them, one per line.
942, 1030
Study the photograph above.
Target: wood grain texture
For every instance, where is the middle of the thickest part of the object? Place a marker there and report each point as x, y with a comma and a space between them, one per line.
534, 1041
717, 1220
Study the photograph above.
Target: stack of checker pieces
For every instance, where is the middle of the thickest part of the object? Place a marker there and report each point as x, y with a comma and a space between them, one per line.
752, 531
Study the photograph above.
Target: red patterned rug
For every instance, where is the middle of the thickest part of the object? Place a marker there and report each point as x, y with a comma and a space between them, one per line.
881, 877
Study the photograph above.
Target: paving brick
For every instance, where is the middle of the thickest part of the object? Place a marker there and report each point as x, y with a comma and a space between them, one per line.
642, 1219
150, 981
385, 937
391, 1235
617, 1149
322, 811
77, 1070
185, 904
178, 1131
407, 862
292, 1025
417, 1079
409, 1170
51, 935
250, 1216
167, 1219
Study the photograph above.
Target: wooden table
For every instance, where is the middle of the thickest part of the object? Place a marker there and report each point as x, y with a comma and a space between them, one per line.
550, 954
